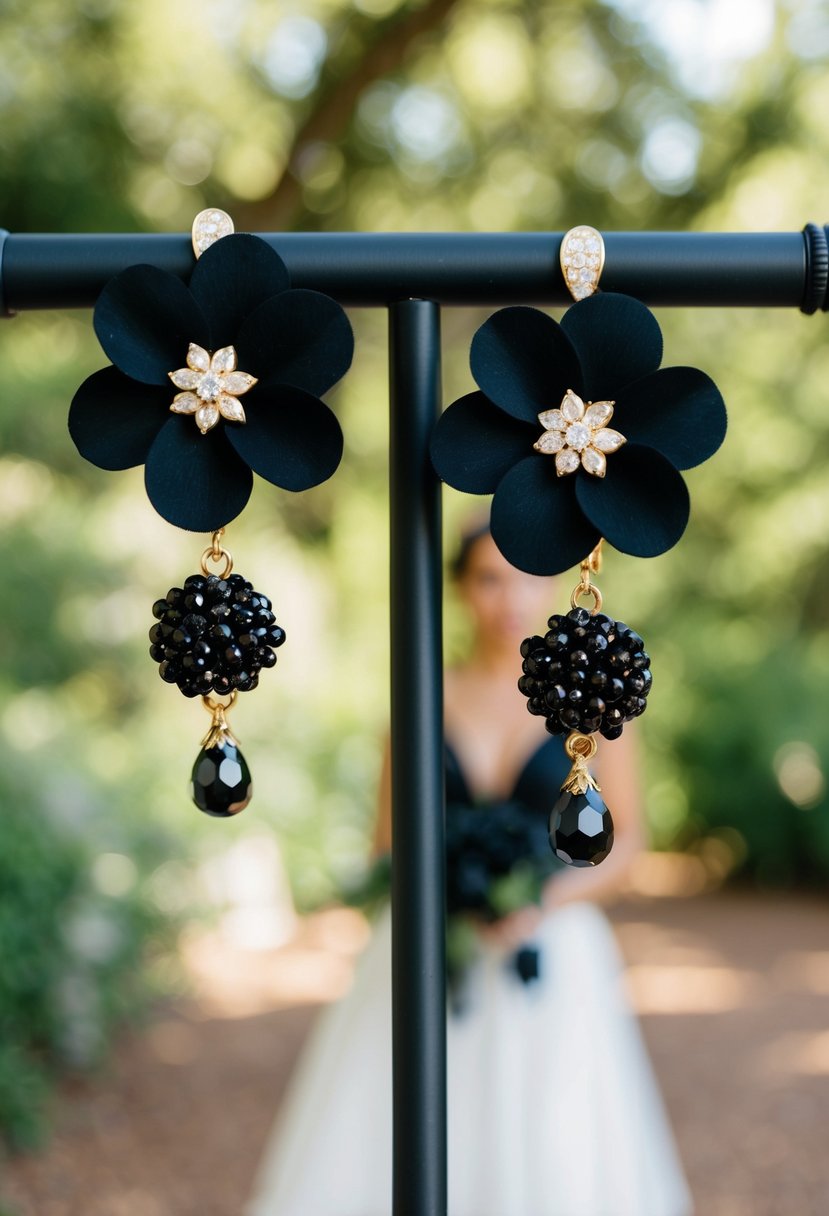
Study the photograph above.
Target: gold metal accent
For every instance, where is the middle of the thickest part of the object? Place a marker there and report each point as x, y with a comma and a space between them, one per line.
593, 561
592, 564
577, 435
210, 226
216, 553
581, 257
212, 385
219, 732
581, 749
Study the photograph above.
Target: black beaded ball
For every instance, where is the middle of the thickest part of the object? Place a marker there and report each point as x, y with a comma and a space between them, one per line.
214, 635
588, 673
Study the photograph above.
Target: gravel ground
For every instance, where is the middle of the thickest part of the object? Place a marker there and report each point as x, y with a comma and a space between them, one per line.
733, 993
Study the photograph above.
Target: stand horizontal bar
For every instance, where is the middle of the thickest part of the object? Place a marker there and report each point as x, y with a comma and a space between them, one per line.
769, 270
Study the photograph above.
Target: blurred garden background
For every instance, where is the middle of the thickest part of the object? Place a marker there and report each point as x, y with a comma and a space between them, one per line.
375, 115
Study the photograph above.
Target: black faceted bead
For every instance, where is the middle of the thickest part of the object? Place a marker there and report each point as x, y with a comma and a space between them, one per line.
580, 615
536, 664
619, 658
221, 784
194, 624
214, 635
614, 690
581, 828
555, 696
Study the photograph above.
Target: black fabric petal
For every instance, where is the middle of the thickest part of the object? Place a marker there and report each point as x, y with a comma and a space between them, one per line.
145, 320
678, 410
195, 481
232, 278
114, 420
617, 339
536, 521
640, 506
290, 438
300, 337
474, 444
523, 362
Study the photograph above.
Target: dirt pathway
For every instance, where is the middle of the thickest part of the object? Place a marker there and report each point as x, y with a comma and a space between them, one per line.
733, 992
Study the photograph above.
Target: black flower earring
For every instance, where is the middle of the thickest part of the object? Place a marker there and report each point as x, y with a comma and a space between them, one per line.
211, 382
537, 436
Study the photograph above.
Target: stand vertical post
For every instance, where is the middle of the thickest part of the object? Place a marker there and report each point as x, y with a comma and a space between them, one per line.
418, 857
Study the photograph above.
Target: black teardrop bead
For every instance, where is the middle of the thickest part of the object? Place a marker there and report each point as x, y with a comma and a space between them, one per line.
581, 829
221, 784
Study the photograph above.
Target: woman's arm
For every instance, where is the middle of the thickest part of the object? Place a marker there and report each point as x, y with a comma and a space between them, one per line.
382, 828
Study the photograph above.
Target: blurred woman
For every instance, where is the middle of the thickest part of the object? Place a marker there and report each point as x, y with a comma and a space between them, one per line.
552, 1105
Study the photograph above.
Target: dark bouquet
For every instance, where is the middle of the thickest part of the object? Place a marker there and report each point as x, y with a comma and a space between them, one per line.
498, 859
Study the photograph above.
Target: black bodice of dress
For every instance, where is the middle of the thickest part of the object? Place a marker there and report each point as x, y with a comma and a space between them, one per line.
536, 786
485, 838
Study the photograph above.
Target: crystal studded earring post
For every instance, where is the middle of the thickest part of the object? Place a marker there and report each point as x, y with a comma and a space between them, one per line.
183, 358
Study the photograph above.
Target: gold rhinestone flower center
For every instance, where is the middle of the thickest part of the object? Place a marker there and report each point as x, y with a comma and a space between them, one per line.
577, 434
212, 386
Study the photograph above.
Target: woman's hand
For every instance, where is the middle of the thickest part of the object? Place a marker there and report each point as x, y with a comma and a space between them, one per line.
513, 930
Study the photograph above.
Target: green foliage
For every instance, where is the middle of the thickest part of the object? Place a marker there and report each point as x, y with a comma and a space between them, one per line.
379, 114
73, 931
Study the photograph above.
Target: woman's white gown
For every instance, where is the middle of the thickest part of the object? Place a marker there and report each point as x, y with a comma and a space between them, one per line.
553, 1108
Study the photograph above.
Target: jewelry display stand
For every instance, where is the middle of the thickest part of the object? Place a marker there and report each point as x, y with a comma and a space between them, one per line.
412, 275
